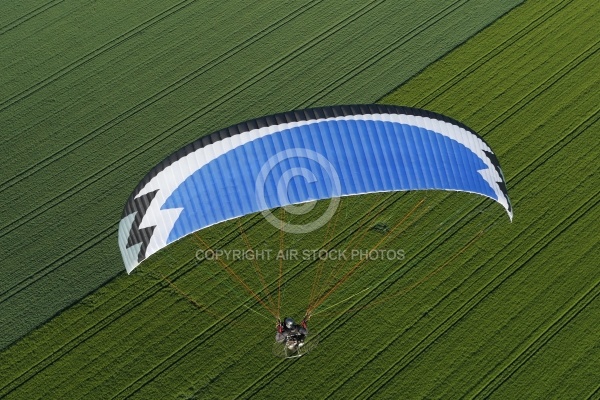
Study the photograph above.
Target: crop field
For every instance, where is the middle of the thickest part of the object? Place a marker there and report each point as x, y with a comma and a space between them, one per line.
94, 95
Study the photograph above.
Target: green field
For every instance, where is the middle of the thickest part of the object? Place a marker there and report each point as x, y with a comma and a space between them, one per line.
93, 97
480, 307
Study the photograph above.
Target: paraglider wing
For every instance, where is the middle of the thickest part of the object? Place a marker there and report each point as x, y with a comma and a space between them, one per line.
300, 156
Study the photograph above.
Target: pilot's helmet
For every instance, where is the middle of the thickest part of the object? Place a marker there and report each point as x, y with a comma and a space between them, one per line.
289, 323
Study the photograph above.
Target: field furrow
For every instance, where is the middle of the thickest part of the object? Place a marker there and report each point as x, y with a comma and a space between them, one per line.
87, 144
155, 97
94, 94
114, 314
139, 299
498, 280
549, 333
26, 17
545, 13
448, 324
317, 97
93, 54
513, 182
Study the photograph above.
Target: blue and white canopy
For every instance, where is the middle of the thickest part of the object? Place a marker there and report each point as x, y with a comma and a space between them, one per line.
301, 156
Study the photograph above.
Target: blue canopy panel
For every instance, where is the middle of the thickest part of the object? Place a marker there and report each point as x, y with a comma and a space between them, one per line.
302, 156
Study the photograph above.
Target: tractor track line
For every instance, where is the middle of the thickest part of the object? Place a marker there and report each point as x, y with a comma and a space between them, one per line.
156, 96
595, 394
517, 178
139, 150
541, 340
39, 28
462, 311
517, 181
94, 53
492, 53
431, 21
400, 273
177, 355
542, 87
106, 320
91, 330
522, 174
26, 17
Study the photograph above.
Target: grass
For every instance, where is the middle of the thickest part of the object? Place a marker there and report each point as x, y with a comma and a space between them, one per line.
94, 95
514, 315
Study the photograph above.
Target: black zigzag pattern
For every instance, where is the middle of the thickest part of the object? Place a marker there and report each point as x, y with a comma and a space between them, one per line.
139, 206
